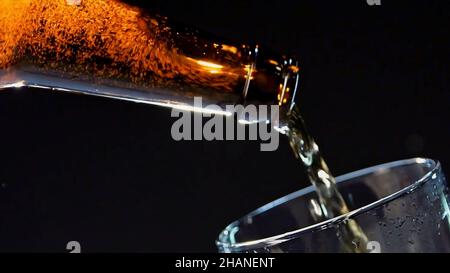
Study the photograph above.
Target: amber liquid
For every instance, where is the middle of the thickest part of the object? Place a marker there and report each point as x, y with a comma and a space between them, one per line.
331, 202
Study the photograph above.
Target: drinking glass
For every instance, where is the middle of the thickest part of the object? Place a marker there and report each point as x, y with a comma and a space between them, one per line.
401, 206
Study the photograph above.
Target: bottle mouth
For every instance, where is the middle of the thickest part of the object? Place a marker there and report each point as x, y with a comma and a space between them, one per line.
227, 239
274, 80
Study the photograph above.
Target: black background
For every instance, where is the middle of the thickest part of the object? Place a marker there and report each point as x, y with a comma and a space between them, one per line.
375, 88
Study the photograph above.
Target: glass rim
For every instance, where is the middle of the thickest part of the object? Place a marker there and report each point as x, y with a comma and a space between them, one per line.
290, 235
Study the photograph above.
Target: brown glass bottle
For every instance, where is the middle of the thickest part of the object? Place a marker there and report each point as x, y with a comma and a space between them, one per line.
108, 48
